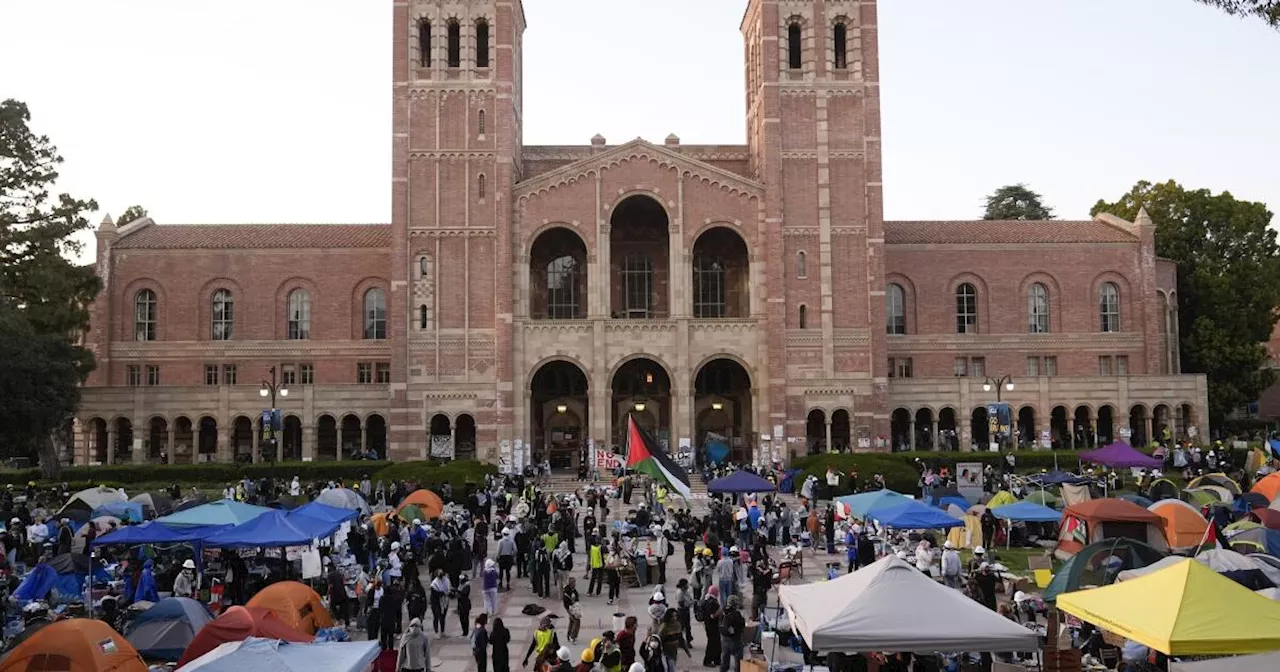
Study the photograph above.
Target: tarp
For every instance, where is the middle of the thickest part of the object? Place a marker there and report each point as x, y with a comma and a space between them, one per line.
1075, 494
221, 512
1184, 527
1100, 564
268, 655
329, 514
74, 645
912, 515
863, 503
91, 498
740, 482
344, 498
156, 533
166, 629
129, 512
1220, 560
1058, 478
1027, 512
269, 530
878, 608
237, 624
1183, 610
295, 604
969, 536
1121, 455
65, 574
1262, 662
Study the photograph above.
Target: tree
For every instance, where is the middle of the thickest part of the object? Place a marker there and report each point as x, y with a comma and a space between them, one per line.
1267, 10
39, 284
1016, 201
40, 383
132, 213
1228, 283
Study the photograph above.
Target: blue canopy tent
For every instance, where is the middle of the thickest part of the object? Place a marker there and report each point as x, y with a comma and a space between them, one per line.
156, 533
948, 500
129, 512
270, 530
1027, 512
329, 514
222, 512
862, 504
740, 482
912, 515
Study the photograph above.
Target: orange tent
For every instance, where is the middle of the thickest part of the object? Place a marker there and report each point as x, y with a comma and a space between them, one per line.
428, 501
1184, 527
1268, 487
296, 604
237, 624
1097, 519
75, 645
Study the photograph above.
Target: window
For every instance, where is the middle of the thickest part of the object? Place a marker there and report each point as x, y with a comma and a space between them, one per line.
1122, 365
424, 267
482, 44
153, 375
375, 314
962, 366
480, 123
637, 285
900, 367
364, 373
978, 367
966, 309
222, 315
895, 299
1104, 365
794, 46
210, 374
453, 48
299, 315
424, 316
708, 287
840, 41
228, 374
306, 374
1109, 307
1050, 366
802, 265
1038, 309
1033, 366
134, 375
480, 186
424, 43
562, 288
382, 372
804, 317
288, 375
144, 315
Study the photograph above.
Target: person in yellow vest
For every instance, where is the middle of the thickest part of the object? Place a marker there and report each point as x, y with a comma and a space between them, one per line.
544, 644
595, 556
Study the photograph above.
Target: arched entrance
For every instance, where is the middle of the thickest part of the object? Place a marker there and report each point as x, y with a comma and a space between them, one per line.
1106, 424
721, 275
326, 447
1059, 428
291, 438
351, 439
638, 260
642, 390
1138, 425
123, 450
559, 409
923, 430
1083, 433
208, 440
1161, 424
948, 438
98, 439
1186, 418
558, 276
375, 435
900, 429
242, 439
464, 437
815, 431
184, 441
1027, 427
158, 448
440, 437
979, 430
841, 430
722, 409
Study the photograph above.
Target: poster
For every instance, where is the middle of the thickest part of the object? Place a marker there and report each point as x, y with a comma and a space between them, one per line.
505, 465
517, 457
999, 421
1046, 439
441, 447
969, 480
685, 457
607, 461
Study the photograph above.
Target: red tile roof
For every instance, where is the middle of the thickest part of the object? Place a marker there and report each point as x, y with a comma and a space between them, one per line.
998, 231
257, 236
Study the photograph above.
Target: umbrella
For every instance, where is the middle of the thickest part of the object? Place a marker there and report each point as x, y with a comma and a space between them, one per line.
344, 498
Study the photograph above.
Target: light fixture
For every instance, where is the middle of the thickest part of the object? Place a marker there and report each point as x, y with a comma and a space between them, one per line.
648, 378
717, 406
561, 408
284, 391
1009, 386
263, 392
986, 387
639, 406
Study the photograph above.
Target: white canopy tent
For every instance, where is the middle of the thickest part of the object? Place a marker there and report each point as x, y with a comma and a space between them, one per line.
889, 605
1262, 662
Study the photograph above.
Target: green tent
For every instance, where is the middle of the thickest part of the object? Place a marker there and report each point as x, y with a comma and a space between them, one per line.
1043, 498
1099, 563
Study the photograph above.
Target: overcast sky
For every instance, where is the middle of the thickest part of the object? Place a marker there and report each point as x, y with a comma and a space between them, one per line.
279, 110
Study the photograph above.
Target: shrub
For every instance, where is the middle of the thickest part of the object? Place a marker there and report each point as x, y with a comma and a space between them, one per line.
431, 475
198, 474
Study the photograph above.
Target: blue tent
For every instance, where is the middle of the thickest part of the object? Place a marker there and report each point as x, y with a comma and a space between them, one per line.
166, 629
156, 533
739, 482
863, 503
909, 514
948, 500
1027, 512
66, 574
1136, 499
223, 512
129, 512
329, 514
269, 530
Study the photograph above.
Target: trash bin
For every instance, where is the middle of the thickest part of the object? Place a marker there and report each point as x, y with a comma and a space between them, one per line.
642, 570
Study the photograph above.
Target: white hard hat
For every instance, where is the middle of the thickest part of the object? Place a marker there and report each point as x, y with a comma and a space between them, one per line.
903, 555
395, 545
948, 544
733, 549
979, 550
188, 564
417, 521
1020, 597
563, 653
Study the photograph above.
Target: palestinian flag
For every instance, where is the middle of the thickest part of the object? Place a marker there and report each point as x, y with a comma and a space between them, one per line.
1211, 541
647, 457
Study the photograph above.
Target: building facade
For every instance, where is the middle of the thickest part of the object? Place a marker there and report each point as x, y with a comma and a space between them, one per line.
524, 300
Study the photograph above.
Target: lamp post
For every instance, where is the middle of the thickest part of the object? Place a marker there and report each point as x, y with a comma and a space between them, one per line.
272, 389
1002, 383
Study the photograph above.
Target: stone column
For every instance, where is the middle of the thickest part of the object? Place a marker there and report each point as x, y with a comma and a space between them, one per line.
911, 434
933, 431
140, 456
254, 443
170, 449
111, 445
453, 436
828, 434
310, 438
360, 445
222, 440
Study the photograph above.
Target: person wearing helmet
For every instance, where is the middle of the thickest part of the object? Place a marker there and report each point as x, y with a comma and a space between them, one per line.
588, 660
184, 583
951, 565
979, 556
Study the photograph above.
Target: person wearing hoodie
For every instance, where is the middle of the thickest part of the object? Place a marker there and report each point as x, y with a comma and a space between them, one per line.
711, 612
414, 652
463, 606
569, 595
506, 556
147, 585
500, 639
490, 581
440, 588
561, 563
684, 609
480, 643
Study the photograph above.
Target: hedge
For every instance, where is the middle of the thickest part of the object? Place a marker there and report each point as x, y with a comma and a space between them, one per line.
457, 473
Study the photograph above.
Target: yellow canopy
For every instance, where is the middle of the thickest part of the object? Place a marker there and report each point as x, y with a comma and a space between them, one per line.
1186, 609
1001, 498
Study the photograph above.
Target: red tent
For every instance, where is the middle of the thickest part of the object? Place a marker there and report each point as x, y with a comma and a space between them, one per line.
237, 624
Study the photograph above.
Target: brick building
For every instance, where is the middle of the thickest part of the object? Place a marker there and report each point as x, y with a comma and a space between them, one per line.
527, 298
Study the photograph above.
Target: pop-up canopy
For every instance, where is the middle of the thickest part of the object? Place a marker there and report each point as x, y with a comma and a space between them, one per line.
740, 482
1121, 455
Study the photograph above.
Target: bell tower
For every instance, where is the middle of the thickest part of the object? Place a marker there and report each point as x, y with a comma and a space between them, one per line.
813, 125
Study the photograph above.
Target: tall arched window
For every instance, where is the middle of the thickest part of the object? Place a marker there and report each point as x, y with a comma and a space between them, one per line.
794, 46
222, 315
482, 44
804, 316
1038, 309
802, 265
840, 43
895, 309
481, 186
453, 47
375, 314
144, 315
562, 288
424, 316
424, 43
709, 289
480, 122
1109, 307
424, 267
637, 286
966, 309
299, 315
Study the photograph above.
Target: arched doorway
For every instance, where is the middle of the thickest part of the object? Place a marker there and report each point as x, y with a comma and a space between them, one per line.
721, 275
1161, 427
464, 442
291, 438
638, 259
98, 439
440, 439
722, 409
375, 436
1106, 424
559, 409
924, 429
158, 448
242, 439
841, 430
1083, 428
948, 437
815, 432
979, 429
208, 439
184, 441
350, 437
900, 429
326, 437
1027, 436
1059, 428
1138, 425
1187, 417
642, 390
558, 276
124, 441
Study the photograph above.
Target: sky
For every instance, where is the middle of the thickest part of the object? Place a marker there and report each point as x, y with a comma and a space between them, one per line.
280, 110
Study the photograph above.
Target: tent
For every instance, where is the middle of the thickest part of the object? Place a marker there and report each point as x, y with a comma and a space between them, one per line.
1136, 499
129, 512
1219, 479
740, 481
74, 645
269, 530
64, 574
344, 498
1232, 564
863, 503
221, 512
1027, 512
968, 536
1268, 486
1043, 498
1199, 497
1250, 501
1217, 493
330, 514
89, 499
1259, 540
430, 503
1262, 662
166, 629
1121, 455
266, 655
158, 503
910, 514
879, 608
1001, 498
1184, 527
156, 533
1058, 478
1268, 518
1100, 519
237, 624
296, 604
1186, 609
1163, 488
1100, 564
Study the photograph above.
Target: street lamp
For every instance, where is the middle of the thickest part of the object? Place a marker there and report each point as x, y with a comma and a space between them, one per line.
1005, 381
271, 389
562, 408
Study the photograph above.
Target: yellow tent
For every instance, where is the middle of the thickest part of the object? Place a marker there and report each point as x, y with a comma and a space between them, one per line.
1186, 609
1001, 498
969, 536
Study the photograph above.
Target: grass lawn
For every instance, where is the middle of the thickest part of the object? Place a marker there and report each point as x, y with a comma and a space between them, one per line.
1015, 558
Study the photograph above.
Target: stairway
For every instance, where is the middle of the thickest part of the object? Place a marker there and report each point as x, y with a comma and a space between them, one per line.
564, 482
